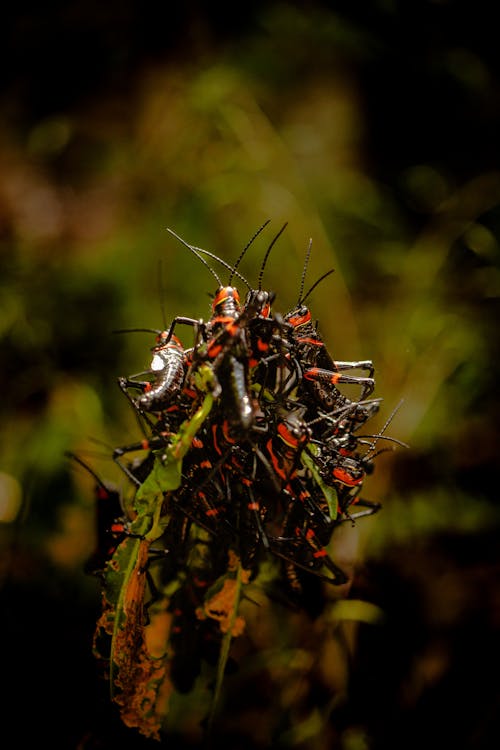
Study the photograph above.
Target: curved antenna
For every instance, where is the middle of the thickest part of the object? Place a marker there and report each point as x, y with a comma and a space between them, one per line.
304, 270
342, 410
136, 330
238, 261
380, 436
266, 256
301, 301
370, 454
226, 265
70, 454
195, 250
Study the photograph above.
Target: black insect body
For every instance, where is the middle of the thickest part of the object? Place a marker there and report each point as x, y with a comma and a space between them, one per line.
321, 374
288, 439
221, 341
238, 338
228, 351
111, 522
111, 528
201, 496
228, 348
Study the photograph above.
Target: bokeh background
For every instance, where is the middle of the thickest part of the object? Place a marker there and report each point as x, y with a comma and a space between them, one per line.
370, 127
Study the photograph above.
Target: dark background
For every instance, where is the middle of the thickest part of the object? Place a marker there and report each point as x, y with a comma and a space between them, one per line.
371, 127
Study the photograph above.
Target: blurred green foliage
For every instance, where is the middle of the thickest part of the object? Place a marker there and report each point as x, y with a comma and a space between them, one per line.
381, 151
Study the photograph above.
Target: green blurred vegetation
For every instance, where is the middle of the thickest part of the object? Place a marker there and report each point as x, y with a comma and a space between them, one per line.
380, 148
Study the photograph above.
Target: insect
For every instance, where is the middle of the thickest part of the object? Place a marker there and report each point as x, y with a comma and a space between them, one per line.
224, 343
322, 374
249, 330
168, 366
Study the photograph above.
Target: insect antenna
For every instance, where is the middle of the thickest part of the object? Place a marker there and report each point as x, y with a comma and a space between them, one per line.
266, 256
364, 439
238, 261
301, 302
162, 308
226, 265
341, 411
137, 330
302, 297
196, 251
96, 453
380, 434
304, 270
74, 457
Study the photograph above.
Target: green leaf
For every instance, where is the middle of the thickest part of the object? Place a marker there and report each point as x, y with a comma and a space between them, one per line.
329, 493
166, 474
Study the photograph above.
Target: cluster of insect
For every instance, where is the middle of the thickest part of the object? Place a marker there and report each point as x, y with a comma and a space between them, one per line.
251, 456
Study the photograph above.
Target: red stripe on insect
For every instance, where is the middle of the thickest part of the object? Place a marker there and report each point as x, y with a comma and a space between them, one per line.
226, 432
225, 293
214, 349
307, 340
299, 320
346, 478
275, 461
216, 443
311, 374
287, 436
